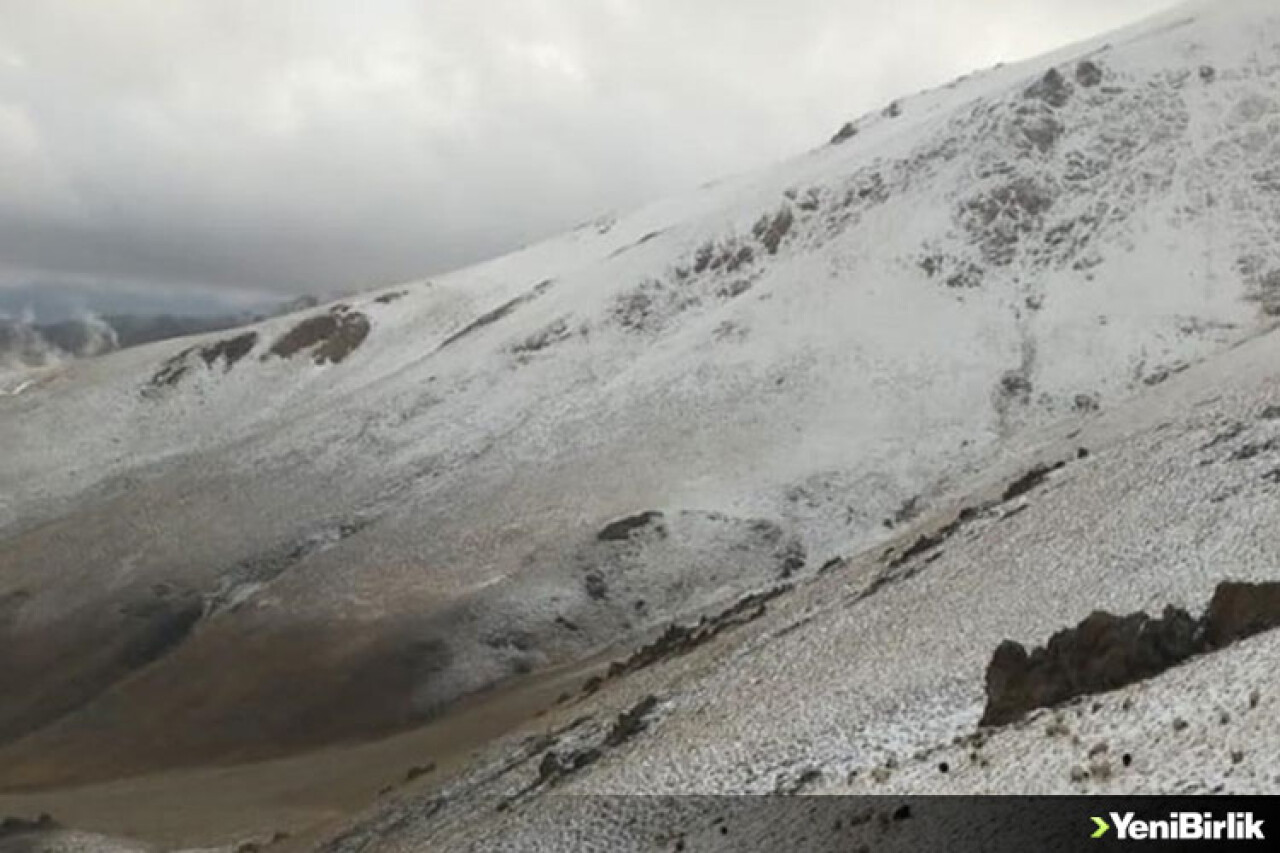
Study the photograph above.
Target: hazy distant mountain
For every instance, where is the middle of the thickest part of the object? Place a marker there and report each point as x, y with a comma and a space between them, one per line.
24, 343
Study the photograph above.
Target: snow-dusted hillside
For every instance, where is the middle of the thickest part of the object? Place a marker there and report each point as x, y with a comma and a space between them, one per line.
869, 678
346, 518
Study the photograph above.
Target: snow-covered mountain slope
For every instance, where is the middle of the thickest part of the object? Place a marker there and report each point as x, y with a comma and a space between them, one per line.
869, 678
337, 522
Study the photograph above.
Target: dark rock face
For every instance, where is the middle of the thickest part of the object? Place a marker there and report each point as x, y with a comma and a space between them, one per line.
621, 530
771, 231
1088, 74
1106, 652
631, 722
229, 350
845, 133
1102, 653
679, 640
1029, 481
1240, 610
1052, 88
330, 337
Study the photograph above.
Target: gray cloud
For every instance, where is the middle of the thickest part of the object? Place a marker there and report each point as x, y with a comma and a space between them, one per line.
320, 144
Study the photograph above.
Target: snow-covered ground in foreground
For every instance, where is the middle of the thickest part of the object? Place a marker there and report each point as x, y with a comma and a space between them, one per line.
789, 366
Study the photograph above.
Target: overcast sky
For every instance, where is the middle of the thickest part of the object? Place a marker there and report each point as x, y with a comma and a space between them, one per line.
320, 145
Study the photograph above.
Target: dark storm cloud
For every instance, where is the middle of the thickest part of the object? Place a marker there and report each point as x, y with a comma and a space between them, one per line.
319, 144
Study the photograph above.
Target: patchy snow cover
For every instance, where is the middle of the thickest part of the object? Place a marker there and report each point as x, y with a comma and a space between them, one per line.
814, 354
868, 679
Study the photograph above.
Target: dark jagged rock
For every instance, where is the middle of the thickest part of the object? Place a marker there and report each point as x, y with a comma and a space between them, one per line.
330, 337
1029, 481
1088, 74
845, 133
678, 640
631, 723
1254, 449
1106, 652
177, 367
621, 530
1052, 88
550, 767
926, 543
1102, 653
1240, 610
772, 230
229, 350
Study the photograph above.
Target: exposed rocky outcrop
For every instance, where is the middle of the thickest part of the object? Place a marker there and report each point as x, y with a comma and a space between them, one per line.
330, 337
1106, 652
228, 351
621, 530
1240, 610
679, 640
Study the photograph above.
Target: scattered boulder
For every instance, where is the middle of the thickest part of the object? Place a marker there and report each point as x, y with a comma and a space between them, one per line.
597, 588
1088, 74
1052, 88
550, 767
772, 230
1042, 131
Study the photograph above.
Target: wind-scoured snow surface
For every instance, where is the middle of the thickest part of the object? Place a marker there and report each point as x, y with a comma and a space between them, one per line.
384, 504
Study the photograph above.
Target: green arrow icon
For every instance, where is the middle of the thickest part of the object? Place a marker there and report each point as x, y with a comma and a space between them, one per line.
1103, 827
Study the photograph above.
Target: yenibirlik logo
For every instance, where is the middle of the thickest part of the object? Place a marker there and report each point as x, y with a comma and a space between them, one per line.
1183, 826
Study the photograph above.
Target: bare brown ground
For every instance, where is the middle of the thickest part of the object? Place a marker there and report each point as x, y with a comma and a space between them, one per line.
301, 795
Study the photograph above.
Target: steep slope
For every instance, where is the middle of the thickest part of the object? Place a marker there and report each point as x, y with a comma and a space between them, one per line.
869, 679
336, 523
